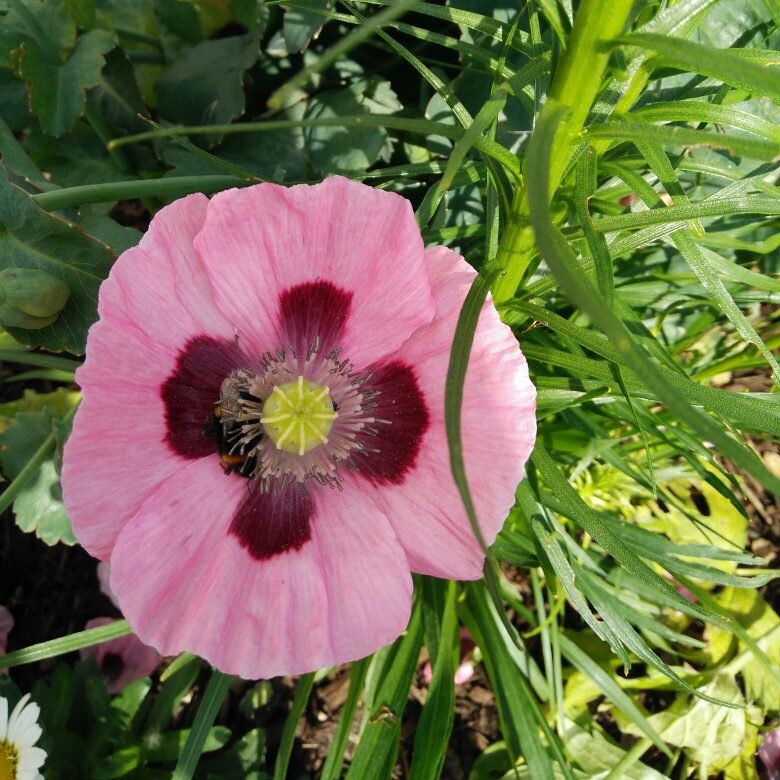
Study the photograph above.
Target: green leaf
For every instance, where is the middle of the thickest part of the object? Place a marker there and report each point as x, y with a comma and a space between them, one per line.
520, 713
333, 763
171, 693
31, 238
378, 743
710, 734
559, 255
206, 84
723, 64
596, 755
66, 644
303, 21
39, 508
435, 725
343, 150
57, 66
300, 700
762, 623
170, 745
38, 503
117, 95
215, 693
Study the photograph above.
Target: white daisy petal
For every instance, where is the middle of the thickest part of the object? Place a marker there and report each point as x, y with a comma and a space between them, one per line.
3, 719
18, 734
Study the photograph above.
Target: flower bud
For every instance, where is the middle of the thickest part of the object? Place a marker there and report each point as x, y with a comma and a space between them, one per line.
30, 298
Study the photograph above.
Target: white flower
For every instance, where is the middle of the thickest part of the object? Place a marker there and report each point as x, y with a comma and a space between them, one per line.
19, 758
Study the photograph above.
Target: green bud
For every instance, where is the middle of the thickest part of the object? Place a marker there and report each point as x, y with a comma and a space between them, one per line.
30, 298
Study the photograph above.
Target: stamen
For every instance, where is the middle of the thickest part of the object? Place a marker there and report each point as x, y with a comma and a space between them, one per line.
297, 417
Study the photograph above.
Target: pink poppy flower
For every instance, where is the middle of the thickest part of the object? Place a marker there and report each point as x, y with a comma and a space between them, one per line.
6, 624
260, 451
769, 753
121, 660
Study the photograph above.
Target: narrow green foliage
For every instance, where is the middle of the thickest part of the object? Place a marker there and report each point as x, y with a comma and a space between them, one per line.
67, 644
302, 694
726, 65
435, 725
378, 746
212, 700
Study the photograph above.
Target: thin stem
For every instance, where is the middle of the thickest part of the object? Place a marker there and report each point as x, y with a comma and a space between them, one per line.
575, 87
170, 187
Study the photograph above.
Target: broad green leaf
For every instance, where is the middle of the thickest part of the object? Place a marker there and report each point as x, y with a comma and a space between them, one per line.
302, 23
348, 151
711, 735
37, 503
31, 238
39, 508
170, 745
205, 85
595, 755
762, 623
58, 66
117, 95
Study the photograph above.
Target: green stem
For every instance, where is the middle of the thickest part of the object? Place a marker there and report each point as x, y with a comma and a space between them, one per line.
170, 187
575, 87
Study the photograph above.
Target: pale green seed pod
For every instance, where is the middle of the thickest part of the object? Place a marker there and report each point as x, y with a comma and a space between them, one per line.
30, 298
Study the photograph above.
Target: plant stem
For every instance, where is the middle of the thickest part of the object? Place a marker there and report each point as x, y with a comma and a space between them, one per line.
575, 87
171, 187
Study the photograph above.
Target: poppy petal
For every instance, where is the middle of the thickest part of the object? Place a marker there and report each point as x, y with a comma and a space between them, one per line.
342, 594
156, 300
498, 428
260, 242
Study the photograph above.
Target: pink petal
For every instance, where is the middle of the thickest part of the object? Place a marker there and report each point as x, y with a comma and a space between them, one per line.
769, 753
498, 430
121, 660
156, 299
104, 578
6, 624
186, 582
260, 242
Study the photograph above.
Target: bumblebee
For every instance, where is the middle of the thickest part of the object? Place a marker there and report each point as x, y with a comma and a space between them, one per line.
226, 432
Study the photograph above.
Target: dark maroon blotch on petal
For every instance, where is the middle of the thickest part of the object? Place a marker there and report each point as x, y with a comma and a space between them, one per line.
392, 451
314, 310
269, 524
192, 389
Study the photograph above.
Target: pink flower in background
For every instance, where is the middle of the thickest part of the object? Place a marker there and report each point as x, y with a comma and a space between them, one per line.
769, 753
104, 579
465, 670
6, 624
260, 451
121, 660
